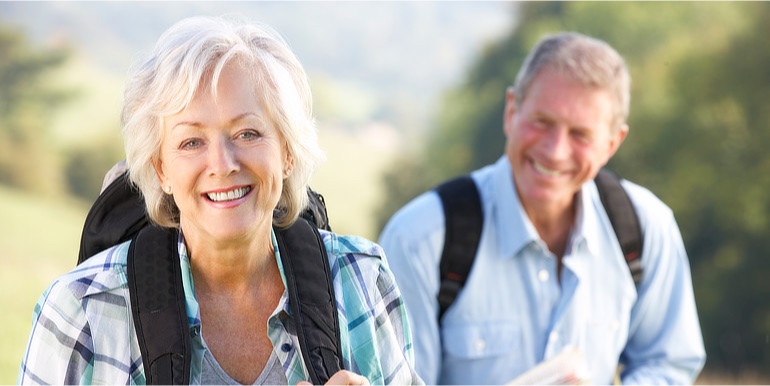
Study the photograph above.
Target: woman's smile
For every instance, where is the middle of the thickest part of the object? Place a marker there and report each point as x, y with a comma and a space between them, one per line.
228, 195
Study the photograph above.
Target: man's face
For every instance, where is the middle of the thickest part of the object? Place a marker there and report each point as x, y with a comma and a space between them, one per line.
557, 140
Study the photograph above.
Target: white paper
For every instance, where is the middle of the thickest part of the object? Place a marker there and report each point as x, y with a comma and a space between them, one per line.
569, 367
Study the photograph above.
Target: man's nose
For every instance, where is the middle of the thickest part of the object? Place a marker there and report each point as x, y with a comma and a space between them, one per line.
557, 143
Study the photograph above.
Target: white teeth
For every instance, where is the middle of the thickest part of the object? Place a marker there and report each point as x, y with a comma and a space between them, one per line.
543, 170
228, 196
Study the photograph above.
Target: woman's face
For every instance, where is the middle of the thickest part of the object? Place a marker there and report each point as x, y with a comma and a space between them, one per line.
223, 160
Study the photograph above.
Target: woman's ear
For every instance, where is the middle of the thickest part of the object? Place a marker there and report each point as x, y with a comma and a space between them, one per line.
288, 162
162, 180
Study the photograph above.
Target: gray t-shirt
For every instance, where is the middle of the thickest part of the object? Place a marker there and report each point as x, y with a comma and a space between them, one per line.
213, 374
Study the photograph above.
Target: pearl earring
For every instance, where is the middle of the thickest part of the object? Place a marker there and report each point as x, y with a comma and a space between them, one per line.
167, 189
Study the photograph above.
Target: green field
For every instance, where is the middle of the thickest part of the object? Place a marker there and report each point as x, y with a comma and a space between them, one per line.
351, 178
38, 241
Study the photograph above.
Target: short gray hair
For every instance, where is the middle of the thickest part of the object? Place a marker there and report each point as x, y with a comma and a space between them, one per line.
190, 55
590, 61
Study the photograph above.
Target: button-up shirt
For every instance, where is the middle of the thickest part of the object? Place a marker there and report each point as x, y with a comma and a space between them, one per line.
82, 331
516, 310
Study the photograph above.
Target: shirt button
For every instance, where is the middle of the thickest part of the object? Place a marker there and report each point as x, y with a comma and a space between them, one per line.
480, 344
286, 347
543, 275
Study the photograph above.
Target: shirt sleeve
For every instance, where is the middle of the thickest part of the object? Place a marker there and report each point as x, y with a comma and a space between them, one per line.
60, 348
399, 369
374, 330
665, 344
408, 243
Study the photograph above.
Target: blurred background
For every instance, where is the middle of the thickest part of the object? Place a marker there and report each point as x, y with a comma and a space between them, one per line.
408, 94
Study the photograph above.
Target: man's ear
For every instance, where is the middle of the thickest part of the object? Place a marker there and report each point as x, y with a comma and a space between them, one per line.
616, 139
510, 110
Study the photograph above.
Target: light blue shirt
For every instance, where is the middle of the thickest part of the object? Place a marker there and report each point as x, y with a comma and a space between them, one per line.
514, 312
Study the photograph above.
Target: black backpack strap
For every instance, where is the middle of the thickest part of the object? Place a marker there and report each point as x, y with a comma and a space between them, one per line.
158, 306
116, 215
624, 220
313, 304
463, 219
315, 212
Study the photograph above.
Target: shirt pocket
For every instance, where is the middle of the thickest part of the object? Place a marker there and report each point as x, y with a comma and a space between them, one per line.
481, 340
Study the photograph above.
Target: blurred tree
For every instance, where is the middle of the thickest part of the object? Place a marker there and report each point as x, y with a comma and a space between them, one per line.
699, 131
716, 162
26, 101
86, 164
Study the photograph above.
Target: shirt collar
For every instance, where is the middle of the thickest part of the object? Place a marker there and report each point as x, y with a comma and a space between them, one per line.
576, 235
284, 302
589, 224
192, 307
515, 229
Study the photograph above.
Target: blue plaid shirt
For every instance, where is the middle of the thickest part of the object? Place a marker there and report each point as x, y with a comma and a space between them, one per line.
83, 333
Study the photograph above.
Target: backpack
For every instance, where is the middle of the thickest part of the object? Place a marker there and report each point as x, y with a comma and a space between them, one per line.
157, 295
463, 218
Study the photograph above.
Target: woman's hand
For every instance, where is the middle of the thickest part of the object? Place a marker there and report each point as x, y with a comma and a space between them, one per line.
343, 377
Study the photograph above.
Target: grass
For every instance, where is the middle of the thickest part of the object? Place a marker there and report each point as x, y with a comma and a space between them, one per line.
351, 178
39, 240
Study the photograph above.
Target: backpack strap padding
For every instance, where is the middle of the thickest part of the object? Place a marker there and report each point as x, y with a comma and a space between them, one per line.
158, 306
313, 304
116, 215
623, 218
463, 219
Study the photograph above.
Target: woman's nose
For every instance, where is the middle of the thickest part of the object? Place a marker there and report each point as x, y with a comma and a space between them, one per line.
223, 158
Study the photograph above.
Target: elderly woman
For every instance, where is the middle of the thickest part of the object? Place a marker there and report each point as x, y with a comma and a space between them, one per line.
220, 141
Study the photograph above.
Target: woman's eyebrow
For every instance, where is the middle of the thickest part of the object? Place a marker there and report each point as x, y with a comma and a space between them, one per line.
235, 119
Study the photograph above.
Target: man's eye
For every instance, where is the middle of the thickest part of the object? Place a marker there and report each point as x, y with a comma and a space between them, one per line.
581, 135
541, 123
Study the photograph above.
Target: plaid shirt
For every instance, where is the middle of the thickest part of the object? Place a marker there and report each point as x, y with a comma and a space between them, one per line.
83, 332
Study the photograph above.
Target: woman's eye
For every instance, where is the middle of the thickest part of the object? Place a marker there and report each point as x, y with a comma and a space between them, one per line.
190, 144
248, 134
